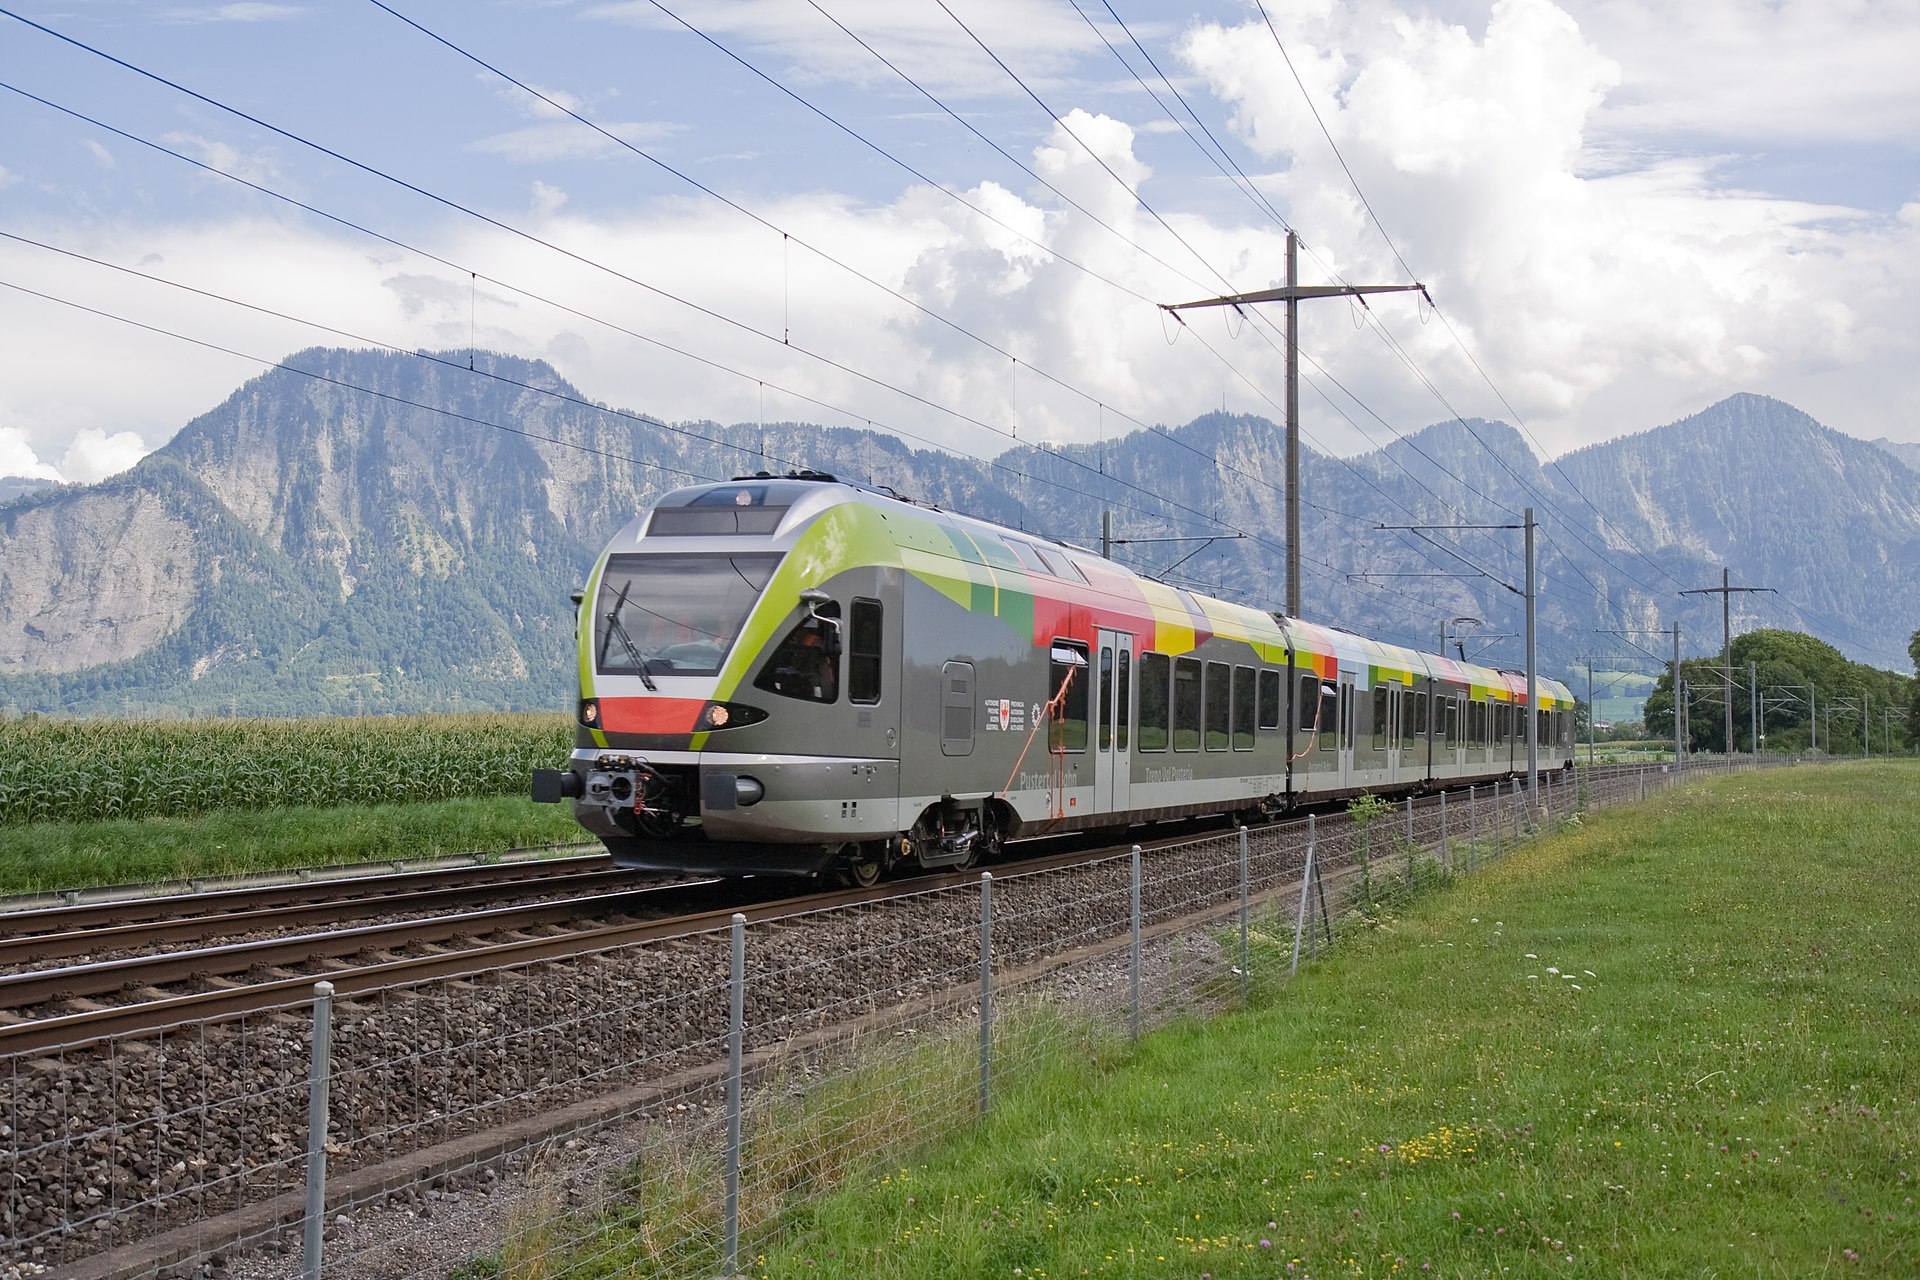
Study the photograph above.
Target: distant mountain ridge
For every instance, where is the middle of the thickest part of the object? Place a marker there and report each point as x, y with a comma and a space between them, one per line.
329, 543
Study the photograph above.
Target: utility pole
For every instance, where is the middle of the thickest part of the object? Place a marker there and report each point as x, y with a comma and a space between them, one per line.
1291, 294
1753, 705
1679, 735
1106, 535
1725, 591
1589, 713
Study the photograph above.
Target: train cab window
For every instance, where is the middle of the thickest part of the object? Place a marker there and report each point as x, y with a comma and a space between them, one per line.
806, 663
1123, 699
1067, 728
1155, 674
1243, 708
674, 615
1219, 701
1186, 704
1269, 698
863, 652
1381, 697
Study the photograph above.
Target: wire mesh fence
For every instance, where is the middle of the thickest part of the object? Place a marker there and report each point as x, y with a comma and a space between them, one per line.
665, 1108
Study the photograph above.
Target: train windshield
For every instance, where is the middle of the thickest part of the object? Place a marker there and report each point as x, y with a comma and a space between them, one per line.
674, 614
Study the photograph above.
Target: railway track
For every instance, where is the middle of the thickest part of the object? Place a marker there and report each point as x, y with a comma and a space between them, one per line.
582, 908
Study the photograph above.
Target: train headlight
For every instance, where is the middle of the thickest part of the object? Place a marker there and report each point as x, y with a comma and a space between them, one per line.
590, 712
728, 715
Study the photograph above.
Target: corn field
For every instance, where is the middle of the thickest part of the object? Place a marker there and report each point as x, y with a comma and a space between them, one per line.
87, 770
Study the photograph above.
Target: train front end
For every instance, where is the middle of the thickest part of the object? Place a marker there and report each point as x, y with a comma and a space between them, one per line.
726, 642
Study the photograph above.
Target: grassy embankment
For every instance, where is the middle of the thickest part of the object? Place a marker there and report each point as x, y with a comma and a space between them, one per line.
1683, 1039
98, 802
1678, 1039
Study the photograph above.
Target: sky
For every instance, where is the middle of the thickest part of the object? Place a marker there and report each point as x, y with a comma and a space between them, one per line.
956, 219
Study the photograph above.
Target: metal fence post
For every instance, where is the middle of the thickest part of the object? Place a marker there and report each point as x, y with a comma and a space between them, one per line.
1473, 825
1306, 887
319, 1086
1446, 853
1136, 942
736, 1042
986, 989
1244, 963
1410, 842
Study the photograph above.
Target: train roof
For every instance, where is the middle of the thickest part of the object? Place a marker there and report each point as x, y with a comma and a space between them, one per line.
959, 553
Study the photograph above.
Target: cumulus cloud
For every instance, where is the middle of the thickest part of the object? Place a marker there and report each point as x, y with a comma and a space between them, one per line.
95, 455
1588, 287
17, 457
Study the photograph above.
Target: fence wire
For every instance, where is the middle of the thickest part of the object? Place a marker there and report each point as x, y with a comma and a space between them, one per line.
563, 1119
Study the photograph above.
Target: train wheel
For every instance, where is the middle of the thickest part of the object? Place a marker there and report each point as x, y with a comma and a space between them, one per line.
860, 865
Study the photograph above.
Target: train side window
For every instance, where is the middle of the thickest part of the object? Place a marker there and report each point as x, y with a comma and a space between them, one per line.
1067, 729
1186, 704
1307, 705
863, 652
1450, 710
1269, 698
1330, 707
1219, 702
1123, 700
1410, 703
1243, 707
805, 664
1155, 675
1106, 698
1380, 726
956, 709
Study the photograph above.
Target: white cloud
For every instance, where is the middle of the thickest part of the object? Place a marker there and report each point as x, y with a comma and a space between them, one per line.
247, 12
1790, 71
17, 457
566, 139
1648, 290
1039, 42
258, 167
95, 455
98, 152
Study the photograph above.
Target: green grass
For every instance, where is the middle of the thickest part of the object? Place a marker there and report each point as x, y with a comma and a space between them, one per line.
48, 856
1723, 1080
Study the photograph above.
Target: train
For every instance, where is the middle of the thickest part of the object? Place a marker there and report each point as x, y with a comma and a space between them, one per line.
798, 675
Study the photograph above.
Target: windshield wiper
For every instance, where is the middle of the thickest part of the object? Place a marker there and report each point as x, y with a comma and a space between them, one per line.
619, 628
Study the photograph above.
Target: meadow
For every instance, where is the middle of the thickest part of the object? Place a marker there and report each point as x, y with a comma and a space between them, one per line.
103, 802
1676, 1039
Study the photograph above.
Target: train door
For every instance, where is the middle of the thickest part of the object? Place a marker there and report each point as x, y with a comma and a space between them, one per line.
1113, 734
1346, 729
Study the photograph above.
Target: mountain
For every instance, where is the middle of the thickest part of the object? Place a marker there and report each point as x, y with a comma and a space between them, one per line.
12, 487
384, 532
1908, 453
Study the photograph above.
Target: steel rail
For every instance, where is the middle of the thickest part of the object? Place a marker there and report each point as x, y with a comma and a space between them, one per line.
118, 911
33, 947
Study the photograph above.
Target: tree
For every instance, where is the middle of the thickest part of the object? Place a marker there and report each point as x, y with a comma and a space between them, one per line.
1913, 711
